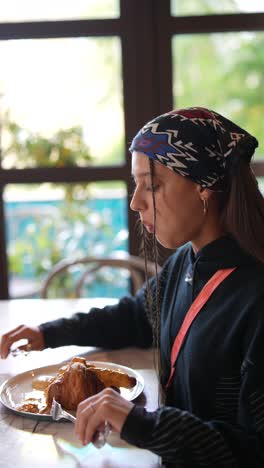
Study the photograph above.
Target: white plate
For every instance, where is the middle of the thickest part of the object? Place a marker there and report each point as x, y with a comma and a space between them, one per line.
15, 390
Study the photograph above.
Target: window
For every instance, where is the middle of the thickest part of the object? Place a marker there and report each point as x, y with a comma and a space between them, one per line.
50, 10
222, 71
51, 86
86, 75
49, 222
204, 7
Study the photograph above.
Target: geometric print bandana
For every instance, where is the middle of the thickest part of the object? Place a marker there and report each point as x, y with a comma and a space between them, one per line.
196, 143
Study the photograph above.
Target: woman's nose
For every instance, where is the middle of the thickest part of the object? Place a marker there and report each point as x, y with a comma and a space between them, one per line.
136, 203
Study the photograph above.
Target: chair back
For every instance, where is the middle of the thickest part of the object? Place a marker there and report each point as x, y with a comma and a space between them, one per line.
134, 265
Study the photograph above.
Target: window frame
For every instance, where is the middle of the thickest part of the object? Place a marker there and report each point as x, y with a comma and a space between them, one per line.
146, 48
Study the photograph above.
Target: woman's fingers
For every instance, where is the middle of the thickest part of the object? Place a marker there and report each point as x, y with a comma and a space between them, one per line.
9, 338
85, 410
106, 406
89, 424
32, 334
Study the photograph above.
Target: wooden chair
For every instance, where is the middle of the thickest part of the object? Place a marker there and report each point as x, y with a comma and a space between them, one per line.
134, 265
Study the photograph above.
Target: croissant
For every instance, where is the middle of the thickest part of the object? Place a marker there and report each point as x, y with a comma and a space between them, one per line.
109, 377
78, 380
72, 386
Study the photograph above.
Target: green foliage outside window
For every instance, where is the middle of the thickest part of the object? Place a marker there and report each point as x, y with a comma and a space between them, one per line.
25, 148
69, 230
224, 72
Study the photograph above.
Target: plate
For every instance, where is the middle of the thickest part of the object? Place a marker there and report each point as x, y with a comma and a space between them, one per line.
15, 390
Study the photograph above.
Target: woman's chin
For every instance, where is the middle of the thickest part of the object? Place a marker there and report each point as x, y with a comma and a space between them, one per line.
165, 243
170, 244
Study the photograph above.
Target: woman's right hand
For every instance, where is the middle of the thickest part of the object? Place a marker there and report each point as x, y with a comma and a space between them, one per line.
33, 334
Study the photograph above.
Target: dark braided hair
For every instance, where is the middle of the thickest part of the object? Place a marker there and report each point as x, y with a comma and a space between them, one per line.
153, 303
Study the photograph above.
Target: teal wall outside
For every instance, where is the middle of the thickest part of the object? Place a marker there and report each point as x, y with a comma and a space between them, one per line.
23, 215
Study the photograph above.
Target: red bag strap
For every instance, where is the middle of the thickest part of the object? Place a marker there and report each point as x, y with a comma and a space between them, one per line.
193, 311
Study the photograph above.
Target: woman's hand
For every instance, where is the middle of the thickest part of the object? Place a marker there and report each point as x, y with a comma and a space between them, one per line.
92, 413
32, 334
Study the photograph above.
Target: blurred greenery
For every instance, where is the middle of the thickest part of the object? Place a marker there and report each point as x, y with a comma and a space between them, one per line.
223, 72
84, 91
206, 7
15, 10
30, 149
71, 229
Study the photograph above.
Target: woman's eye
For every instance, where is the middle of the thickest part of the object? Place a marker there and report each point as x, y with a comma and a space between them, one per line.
153, 188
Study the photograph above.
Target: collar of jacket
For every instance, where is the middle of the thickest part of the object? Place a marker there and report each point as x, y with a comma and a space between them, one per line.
223, 252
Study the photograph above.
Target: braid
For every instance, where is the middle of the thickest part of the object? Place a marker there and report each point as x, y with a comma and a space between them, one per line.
155, 252
153, 305
148, 293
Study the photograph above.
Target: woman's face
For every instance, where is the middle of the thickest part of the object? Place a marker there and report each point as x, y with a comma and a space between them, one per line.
179, 207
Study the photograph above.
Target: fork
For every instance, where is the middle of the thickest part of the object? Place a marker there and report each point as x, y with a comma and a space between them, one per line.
57, 412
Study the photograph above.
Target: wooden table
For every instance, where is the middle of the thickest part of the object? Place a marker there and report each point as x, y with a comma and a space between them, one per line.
30, 443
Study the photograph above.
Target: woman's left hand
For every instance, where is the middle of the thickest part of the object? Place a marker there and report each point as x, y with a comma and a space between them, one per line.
92, 413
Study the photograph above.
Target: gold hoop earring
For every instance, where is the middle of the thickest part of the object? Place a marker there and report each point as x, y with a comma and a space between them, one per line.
205, 205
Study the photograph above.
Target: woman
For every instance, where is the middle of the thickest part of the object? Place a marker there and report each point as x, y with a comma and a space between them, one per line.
195, 192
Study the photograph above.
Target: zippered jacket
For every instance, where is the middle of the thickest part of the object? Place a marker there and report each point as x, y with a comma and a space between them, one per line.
213, 415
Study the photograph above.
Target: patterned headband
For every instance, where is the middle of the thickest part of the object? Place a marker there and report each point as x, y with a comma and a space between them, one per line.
196, 143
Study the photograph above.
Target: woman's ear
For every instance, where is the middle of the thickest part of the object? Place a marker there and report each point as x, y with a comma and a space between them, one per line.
204, 193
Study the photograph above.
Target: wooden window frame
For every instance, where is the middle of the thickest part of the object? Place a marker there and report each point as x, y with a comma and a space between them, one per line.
145, 28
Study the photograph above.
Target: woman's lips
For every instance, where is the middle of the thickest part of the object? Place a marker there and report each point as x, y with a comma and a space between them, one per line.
149, 227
